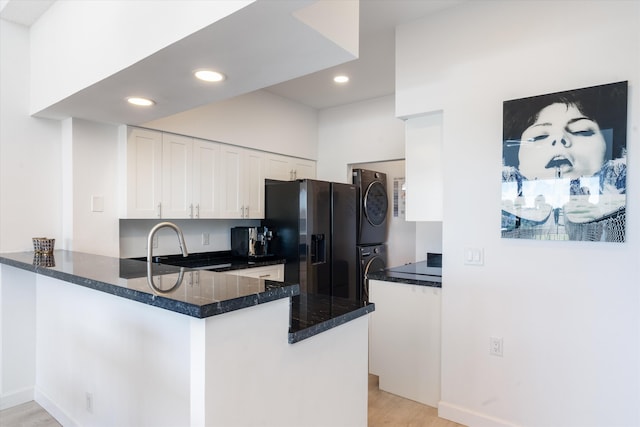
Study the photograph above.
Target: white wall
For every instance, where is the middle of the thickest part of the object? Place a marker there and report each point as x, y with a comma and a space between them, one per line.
428, 238
30, 152
94, 166
362, 132
259, 120
569, 312
368, 134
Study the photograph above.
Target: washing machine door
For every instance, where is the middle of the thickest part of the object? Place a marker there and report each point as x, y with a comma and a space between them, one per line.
374, 263
375, 203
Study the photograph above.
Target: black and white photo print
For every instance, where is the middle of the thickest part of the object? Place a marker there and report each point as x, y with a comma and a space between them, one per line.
564, 165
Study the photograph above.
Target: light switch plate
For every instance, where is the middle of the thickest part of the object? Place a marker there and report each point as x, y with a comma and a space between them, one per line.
97, 204
473, 256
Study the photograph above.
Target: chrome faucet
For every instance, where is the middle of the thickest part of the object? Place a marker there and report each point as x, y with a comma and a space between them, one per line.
183, 246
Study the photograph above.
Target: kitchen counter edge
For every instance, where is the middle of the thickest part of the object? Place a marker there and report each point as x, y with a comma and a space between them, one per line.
106, 283
420, 280
316, 314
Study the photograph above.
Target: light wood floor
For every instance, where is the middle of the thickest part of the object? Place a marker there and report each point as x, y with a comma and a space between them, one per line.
28, 414
385, 410
389, 410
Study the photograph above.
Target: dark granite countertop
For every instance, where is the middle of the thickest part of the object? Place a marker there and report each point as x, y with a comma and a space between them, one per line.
191, 291
217, 293
418, 273
215, 261
312, 314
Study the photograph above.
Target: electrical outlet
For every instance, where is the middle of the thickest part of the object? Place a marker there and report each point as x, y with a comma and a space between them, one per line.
495, 346
88, 399
205, 238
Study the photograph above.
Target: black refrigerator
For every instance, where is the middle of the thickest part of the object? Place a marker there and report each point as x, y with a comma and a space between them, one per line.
314, 225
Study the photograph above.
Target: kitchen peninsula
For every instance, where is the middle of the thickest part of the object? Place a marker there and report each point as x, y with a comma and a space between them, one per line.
189, 347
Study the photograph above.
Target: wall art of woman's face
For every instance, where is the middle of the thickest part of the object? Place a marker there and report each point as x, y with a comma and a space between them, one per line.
561, 143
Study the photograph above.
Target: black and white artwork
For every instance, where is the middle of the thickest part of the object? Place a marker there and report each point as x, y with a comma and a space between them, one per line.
564, 165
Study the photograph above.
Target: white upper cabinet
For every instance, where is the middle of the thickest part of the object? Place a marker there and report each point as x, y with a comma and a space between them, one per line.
286, 168
277, 167
144, 173
174, 176
177, 181
423, 154
207, 199
254, 184
243, 182
304, 169
160, 175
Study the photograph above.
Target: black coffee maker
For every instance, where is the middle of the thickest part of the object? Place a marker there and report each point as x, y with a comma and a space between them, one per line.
251, 242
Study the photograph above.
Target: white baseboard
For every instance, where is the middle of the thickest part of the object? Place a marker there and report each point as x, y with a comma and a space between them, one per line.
470, 418
50, 406
16, 398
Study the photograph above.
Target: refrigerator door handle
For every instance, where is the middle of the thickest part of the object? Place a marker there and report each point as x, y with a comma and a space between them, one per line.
318, 249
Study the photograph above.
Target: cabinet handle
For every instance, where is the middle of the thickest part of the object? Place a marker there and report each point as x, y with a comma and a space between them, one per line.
291, 175
191, 210
198, 210
247, 212
160, 210
242, 212
262, 276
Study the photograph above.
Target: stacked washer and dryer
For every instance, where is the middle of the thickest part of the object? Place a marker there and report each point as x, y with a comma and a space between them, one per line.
372, 225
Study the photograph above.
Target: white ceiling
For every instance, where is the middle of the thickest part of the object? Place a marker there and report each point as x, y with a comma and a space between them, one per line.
372, 74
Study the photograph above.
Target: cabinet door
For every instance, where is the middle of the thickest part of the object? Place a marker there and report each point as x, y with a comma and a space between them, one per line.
278, 167
407, 363
144, 173
177, 183
206, 179
304, 169
423, 153
231, 192
286, 168
243, 183
269, 272
254, 184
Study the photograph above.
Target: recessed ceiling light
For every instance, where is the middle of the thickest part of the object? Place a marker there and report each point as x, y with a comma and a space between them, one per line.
209, 75
341, 79
142, 102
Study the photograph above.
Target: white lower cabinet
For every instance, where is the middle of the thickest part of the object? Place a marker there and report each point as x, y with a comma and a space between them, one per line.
269, 272
404, 339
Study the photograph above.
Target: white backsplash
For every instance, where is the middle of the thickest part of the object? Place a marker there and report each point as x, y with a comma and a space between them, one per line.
134, 232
